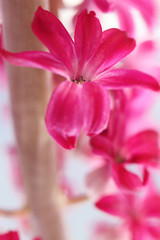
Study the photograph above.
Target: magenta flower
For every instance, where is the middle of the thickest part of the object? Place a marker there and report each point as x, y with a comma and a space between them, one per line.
12, 235
119, 150
140, 214
80, 102
123, 9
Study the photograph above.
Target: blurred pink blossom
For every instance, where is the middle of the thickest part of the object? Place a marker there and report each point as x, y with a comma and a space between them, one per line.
118, 151
140, 213
12, 235
123, 9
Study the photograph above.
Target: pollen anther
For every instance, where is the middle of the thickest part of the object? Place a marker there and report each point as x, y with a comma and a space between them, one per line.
79, 81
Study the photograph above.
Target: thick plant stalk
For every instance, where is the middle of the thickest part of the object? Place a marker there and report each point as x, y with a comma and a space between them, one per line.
54, 5
29, 91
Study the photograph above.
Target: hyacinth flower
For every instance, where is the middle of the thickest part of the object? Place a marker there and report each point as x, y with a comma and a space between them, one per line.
141, 214
12, 235
81, 101
119, 150
123, 9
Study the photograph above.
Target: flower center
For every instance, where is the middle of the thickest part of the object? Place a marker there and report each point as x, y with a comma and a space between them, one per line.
119, 158
79, 81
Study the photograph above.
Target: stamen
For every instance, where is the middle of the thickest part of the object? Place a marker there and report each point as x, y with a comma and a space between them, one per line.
119, 158
79, 81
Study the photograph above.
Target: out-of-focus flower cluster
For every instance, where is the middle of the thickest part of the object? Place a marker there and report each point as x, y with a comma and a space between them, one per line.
111, 85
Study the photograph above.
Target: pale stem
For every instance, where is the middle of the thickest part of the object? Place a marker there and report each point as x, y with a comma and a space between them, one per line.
29, 92
54, 6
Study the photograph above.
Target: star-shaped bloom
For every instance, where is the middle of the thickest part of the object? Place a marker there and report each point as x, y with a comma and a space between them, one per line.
81, 101
120, 150
141, 214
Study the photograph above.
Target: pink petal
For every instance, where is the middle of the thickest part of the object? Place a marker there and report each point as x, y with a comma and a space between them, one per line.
151, 205
35, 59
141, 138
112, 204
88, 33
12, 235
102, 146
143, 147
64, 117
55, 37
103, 5
120, 78
147, 9
96, 107
126, 179
154, 231
147, 47
145, 176
114, 46
125, 19
139, 232
98, 178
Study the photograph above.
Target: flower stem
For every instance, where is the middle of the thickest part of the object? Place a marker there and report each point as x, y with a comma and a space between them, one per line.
29, 93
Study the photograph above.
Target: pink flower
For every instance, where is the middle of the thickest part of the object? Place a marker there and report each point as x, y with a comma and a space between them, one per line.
141, 214
123, 9
12, 235
119, 151
80, 102
147, 9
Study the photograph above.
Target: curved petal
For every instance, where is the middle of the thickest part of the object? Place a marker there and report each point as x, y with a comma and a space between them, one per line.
35, 59
126, 179
146, 176
97, 179
102, 146
151, 206
154, 231
103, 5
143, 147
96, 107
147, 10
64, 117
125, 19
88, 33
147, 47
120, 78
55, 37
114, 46
112, 204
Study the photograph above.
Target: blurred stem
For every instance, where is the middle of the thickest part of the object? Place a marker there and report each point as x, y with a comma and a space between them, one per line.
54, 6
29, 93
